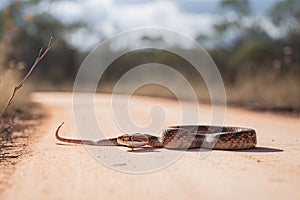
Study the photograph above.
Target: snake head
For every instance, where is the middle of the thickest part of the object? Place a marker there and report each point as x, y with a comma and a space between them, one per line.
133, 140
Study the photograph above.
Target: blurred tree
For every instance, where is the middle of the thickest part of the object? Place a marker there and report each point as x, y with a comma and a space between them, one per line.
239, 25
245, 39
32, 30
240, 7
255, 56
286, 14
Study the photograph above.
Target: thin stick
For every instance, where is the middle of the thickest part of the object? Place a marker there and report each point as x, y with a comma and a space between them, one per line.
40, 56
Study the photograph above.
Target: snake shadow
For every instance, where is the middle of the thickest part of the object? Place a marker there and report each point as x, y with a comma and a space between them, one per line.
254, 150
261, 150
135, 150
150, 149
65, 144
143, 150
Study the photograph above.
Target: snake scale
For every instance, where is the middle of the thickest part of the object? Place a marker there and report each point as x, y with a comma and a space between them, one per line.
180, 137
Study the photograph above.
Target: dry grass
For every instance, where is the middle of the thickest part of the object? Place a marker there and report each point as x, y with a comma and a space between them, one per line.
263, 93
8, 80
42, 53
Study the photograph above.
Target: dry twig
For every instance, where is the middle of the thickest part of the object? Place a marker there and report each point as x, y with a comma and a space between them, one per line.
40, 56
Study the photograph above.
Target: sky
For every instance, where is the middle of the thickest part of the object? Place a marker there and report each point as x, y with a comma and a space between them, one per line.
189, 17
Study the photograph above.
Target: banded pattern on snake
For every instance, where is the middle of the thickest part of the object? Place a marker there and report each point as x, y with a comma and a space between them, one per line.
181, 137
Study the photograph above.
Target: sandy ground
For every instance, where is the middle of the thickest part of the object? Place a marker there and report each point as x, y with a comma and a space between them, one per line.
53, 171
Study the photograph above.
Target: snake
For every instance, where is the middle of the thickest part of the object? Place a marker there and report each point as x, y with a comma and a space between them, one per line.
180, 137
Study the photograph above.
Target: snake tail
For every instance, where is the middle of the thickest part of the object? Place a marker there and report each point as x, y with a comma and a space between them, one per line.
104, 142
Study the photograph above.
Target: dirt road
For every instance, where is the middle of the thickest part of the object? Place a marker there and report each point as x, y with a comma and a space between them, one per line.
52, 171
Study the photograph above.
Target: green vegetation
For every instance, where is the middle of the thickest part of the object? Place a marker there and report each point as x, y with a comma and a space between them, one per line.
259, 70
